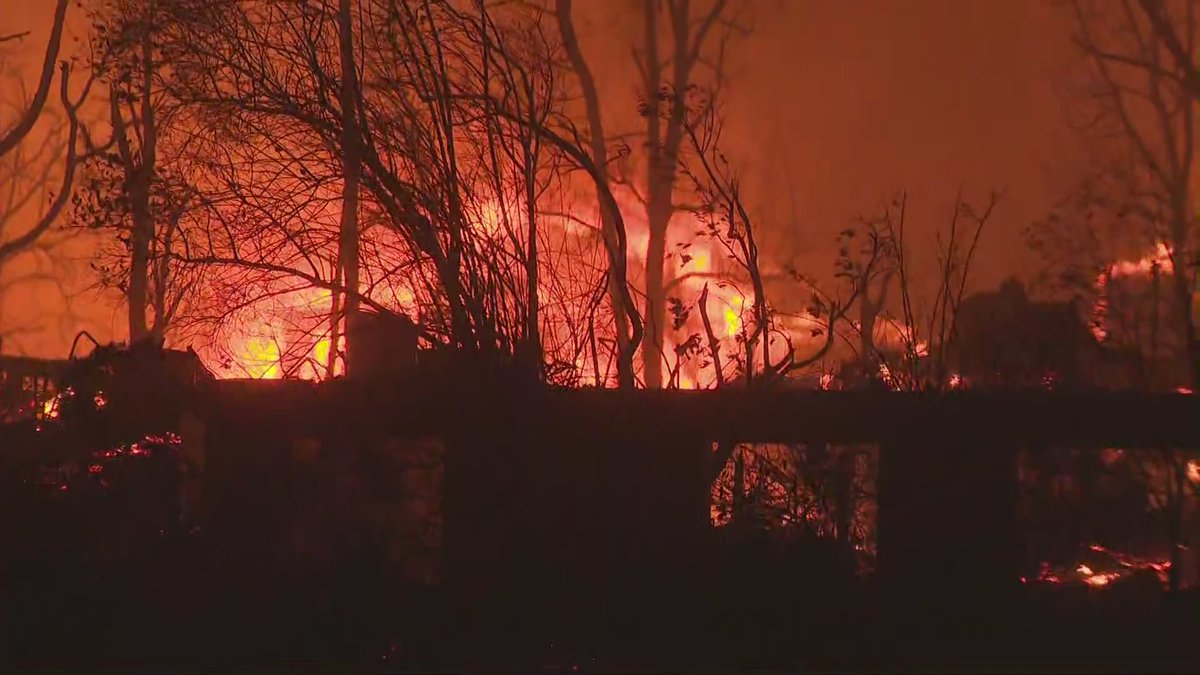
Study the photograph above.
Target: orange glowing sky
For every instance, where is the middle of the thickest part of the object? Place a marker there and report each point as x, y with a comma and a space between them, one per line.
835, 105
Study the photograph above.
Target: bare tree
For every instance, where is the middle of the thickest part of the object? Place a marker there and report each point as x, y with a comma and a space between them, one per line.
696, 34
1139, 114
609, 214
31, 172
458, 135
776, 474
664, 135
348, 262
728, 223
1138, 105
27, 118
141, 189
1177, 37
926, 330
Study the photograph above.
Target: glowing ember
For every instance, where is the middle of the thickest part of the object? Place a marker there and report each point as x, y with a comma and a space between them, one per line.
1193, 471
885, 374
1098, 580
1126, 565
1045, 575
1050, 381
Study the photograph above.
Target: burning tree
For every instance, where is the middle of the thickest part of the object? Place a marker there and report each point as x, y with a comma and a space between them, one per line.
663, 107
677, 41
456, 121
1124, 241
1137, 110
915, 348
808, 492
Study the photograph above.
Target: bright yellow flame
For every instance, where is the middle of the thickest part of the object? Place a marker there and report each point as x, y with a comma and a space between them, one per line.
1160, 257
260, 359
405, 296
1093, 579
733, 322
733, 316
321, 351
491, 218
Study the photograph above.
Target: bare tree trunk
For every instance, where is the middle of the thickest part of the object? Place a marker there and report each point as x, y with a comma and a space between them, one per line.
335, 325
13, 136
714, 347
658, 209
139, 265
533, 338
664, 136
599, 148
143, 219
348, 240
656, 297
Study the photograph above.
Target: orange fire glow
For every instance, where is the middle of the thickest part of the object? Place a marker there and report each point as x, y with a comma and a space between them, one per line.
1159, 260
1083, 573
263, 344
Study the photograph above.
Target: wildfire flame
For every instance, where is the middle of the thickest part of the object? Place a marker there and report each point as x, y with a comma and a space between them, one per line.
1159, 260
1127, 564
262, 343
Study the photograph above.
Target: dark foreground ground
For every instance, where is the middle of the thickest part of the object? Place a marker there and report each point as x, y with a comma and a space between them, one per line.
186, 604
